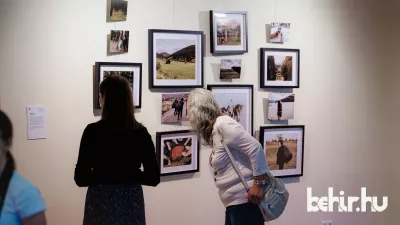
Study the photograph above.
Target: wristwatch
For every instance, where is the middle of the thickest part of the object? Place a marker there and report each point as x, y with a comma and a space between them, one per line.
262, 182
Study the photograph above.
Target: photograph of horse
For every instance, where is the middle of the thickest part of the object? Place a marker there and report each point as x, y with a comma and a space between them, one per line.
233, 105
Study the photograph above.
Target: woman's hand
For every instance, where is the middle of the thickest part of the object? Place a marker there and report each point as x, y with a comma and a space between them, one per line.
255, 194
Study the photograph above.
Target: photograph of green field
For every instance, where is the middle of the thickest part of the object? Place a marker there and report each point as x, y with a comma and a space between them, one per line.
176, 59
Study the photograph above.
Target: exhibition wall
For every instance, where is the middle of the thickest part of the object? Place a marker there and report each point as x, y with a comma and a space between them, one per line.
348, 98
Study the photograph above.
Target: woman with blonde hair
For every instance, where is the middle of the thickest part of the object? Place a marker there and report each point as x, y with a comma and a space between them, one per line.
206, 119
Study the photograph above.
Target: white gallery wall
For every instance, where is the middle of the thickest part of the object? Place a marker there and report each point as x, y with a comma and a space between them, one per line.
348, 98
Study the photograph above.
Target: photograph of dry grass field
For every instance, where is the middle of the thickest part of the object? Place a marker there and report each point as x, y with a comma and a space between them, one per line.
230, 68
118, 10
274, 151
176, 59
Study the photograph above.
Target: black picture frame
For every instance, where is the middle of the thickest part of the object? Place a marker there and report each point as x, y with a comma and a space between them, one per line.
214, 35
212, 87
152, 67
159, 151
98, 79
263, 129
274, 83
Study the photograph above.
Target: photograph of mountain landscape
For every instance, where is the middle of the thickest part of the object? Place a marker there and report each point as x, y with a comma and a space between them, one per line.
176, 59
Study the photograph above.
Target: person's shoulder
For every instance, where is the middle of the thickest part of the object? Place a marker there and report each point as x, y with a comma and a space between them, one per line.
94, 126
225, 120
19, 184
141, 130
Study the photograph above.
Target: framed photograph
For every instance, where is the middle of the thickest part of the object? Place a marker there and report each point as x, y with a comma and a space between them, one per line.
174, 107
280, 68
230, 69
178, 152
236, 101
118, 10
284, 149
176, 59
280, 106
228, 32
119, 42
280, 32
131, 71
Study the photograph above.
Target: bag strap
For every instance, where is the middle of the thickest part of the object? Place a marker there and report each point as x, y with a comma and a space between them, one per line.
233, 162
5, 180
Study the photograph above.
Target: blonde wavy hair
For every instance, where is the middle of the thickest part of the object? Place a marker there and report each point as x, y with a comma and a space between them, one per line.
203, 112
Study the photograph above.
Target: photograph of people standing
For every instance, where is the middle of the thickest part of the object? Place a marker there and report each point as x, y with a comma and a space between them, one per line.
174, 107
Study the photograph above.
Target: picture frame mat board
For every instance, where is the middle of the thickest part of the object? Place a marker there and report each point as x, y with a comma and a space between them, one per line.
228, 49
136, 68
267, 133
247, 90
175, 170
280, 54
157, 35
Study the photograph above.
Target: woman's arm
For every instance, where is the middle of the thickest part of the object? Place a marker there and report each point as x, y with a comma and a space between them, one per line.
38, 219
84, 166
151, 171
239, 139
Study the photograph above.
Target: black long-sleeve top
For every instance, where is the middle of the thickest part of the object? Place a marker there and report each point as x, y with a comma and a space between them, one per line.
108, 156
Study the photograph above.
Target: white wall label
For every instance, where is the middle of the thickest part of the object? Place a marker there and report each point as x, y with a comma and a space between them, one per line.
36, 122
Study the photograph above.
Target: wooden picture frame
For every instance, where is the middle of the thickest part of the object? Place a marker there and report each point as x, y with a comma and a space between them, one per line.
292, 137
279, 68
236, 95
178, 152
234, 44
136, 82
176, 59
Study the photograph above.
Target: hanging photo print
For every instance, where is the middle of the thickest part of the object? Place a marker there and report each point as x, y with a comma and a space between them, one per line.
284, 149
174, 107
280, 106
280, 32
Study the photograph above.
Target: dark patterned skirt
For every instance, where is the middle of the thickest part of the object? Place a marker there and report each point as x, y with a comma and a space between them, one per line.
114, 205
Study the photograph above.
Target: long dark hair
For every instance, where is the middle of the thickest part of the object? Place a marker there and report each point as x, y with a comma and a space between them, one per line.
118, 108
6, 134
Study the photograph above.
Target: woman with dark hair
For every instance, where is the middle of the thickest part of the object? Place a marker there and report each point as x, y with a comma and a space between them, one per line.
271, 73
20, 201
111, 153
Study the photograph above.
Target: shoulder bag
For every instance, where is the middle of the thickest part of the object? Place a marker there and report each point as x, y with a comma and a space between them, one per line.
275, 197
5, 180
